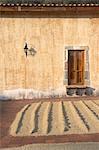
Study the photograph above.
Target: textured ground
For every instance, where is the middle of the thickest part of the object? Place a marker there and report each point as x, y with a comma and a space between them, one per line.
68, 146
57, 118
9, 110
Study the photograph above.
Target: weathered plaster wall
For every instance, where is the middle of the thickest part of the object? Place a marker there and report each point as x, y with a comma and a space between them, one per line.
48, 36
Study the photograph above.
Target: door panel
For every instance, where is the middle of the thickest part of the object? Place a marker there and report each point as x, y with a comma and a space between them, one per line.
76, 67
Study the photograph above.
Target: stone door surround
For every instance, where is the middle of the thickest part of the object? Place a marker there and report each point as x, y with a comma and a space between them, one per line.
86, 63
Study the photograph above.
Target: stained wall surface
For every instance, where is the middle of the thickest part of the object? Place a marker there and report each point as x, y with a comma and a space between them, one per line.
48, 36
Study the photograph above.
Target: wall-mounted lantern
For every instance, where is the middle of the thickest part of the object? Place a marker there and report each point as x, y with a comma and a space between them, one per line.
29, 51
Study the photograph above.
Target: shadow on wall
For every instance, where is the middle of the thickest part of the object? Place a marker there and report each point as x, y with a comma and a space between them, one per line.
60, 93
3, 97
88, 91
97, 92
31, 94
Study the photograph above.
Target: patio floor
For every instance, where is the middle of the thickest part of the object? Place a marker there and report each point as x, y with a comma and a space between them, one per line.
9, 109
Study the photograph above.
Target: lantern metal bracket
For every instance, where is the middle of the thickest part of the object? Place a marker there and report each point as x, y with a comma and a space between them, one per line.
29, 51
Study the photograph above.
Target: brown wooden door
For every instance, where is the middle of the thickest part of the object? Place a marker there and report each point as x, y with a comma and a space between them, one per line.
75, 67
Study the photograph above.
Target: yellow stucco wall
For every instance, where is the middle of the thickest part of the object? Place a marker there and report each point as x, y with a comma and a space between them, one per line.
48, 36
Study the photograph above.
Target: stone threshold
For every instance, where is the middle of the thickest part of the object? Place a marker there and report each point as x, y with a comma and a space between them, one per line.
77, 86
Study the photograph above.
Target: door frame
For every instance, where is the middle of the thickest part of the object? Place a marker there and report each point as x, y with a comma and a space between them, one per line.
86, 64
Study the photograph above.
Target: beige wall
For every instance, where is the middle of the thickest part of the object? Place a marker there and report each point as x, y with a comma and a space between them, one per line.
48, 36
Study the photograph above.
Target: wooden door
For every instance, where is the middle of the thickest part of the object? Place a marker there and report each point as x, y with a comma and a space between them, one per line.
76, 67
